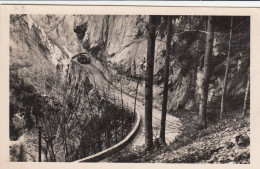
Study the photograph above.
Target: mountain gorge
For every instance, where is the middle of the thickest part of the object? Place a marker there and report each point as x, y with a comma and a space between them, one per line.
43, 71
119, 44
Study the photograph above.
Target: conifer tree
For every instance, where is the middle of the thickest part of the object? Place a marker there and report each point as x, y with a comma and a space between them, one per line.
149, 83
206, 74
166, 78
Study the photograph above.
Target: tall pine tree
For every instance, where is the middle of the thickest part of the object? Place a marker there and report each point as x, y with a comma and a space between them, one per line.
149, 83
166, 78
206, 74
222, 108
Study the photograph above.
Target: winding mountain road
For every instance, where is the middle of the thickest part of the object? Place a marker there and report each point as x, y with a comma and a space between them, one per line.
173, 124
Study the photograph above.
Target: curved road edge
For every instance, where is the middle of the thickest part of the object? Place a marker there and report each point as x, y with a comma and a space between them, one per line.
137, 136
103, 154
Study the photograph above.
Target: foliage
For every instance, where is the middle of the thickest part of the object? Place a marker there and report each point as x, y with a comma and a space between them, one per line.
21, 99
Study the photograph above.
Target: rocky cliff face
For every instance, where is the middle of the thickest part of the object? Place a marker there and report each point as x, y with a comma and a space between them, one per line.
118, 43
59, 30
45, 43
40, 49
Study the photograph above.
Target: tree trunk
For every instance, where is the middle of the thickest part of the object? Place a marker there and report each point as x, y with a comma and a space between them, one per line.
149, 83
189, 18
46, 155
206, 26
166, 78
99, 135
115, 120
122, 117
40, 145
222, 108
206, 74
136, 92
108, 130
52, 152
246, 96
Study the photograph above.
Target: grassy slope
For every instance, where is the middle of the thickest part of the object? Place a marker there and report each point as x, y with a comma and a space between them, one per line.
216, 144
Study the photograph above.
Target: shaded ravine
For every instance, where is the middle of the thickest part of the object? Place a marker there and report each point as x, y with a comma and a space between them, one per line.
173, 124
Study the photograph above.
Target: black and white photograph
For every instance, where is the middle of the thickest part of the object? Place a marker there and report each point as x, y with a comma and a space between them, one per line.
125, 88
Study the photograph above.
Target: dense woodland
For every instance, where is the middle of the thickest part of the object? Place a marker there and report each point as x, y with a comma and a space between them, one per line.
66, 117
234, 45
